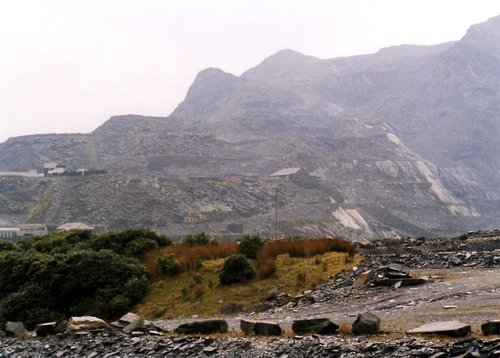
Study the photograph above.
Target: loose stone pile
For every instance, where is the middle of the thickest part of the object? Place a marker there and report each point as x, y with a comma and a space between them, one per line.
118, 344
478, 249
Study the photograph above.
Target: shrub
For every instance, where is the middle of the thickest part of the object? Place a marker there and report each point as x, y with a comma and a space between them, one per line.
119, 304
130, 242
250, 245
199, 239
7, 246
168, 265
36, 287
236, 268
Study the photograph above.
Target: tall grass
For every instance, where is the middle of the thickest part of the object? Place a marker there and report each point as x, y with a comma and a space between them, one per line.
299, 248
188, 256
308, 247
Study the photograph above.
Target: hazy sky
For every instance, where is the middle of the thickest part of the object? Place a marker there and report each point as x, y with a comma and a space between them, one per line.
68, 65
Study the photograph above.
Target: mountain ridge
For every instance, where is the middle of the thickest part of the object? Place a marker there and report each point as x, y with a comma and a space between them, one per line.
404, 138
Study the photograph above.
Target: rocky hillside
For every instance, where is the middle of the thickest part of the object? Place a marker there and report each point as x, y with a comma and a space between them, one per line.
401, 140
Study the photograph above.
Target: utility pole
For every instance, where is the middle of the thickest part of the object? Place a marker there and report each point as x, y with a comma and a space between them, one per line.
276, 217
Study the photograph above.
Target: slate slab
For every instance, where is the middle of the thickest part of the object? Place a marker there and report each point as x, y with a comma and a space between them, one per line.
203, 327
260, 328
447, 328
314, 326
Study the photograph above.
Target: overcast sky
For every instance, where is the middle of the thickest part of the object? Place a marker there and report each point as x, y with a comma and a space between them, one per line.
68, 65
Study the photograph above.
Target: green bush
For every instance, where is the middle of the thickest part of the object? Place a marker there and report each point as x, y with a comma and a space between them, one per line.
46, 278
130, 242
199, 239
236, 268
7, 246
169, 265
250, 245
37, 287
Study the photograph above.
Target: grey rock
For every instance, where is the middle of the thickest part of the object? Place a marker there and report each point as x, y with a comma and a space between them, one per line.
85, 323
491, 327
366, 323
448, 328
363, 278
135, 326
260, 328
45, 329
314, 325
203, 327
16, 329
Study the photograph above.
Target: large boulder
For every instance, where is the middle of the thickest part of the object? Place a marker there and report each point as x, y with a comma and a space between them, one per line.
314, 325
85, 323
447, 328
260, 328
203, 327
366, 323
15, 329
491, 327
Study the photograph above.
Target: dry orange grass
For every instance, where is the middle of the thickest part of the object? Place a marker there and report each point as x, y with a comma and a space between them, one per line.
299, 248
188, 256
308, 247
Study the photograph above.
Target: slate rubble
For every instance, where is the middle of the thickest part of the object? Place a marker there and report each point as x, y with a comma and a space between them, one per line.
116, 344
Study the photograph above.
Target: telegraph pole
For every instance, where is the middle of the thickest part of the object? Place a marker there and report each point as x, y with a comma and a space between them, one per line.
276, 217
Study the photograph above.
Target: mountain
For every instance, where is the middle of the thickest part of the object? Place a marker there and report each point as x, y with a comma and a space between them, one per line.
400, 141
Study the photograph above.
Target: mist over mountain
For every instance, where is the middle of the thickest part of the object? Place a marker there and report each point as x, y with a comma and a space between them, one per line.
403, 140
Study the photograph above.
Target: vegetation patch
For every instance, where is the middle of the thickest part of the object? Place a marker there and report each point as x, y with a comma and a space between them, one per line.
55, 276
200, 291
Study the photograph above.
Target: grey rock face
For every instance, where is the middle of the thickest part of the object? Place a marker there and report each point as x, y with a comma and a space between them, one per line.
401, 140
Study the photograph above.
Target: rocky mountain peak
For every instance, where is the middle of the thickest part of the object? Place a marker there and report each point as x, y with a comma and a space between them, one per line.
485, 36
209, 87
285, 66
